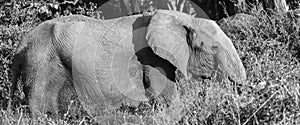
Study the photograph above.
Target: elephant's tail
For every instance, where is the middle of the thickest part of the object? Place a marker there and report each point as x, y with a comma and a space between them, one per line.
15, 68
18, 61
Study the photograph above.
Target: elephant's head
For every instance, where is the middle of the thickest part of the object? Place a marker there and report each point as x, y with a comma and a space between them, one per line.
195, 46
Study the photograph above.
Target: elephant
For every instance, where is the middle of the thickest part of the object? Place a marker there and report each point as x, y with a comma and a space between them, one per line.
106, 63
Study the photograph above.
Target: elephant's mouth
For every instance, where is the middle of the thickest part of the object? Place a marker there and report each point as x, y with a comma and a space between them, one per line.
204, 65
200, 64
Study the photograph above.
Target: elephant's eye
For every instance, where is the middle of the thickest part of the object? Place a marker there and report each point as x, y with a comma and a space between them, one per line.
215, 49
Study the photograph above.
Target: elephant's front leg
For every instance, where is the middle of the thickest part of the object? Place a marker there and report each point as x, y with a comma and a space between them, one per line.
158, 85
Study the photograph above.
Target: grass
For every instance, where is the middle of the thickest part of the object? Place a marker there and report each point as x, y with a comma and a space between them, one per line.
269, 46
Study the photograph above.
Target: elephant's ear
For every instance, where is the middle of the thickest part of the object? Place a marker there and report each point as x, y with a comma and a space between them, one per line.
167, 37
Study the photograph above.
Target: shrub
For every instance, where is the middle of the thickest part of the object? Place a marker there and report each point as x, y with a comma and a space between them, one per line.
269, 47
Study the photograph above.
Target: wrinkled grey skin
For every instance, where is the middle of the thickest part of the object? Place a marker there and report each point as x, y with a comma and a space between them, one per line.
128, 59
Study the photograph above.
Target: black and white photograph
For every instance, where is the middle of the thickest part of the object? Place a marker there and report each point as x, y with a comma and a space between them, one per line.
149, 62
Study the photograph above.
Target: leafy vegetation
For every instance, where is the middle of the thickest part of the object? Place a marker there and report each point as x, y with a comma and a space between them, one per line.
268, 44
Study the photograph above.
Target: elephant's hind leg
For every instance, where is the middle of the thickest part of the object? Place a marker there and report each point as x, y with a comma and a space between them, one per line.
44, 94
60, 90
67, 100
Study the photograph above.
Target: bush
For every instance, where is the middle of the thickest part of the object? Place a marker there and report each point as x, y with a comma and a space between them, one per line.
269, 47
